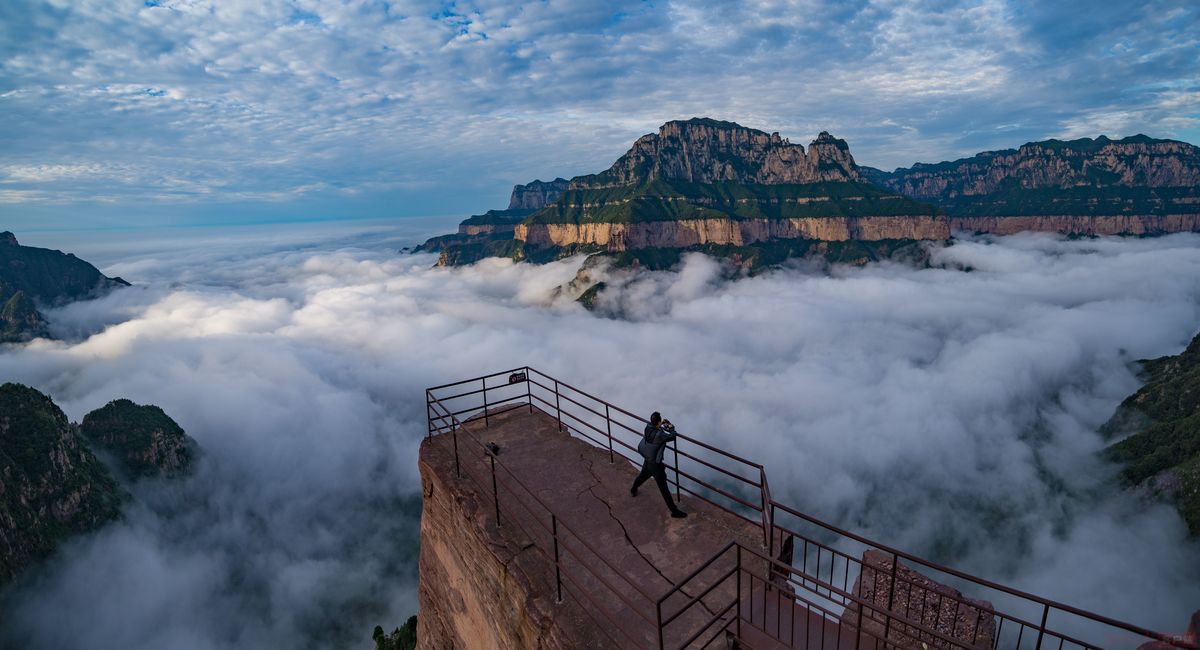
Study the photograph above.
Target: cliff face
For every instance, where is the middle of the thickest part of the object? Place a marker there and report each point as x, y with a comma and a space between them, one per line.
1134, 186
1081, 225
739, 232
537, 194
51, 485
144, 439
1136, 161
30, 276
1163, 453
709, 151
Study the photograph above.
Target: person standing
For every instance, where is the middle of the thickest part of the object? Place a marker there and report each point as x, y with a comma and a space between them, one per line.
652, 447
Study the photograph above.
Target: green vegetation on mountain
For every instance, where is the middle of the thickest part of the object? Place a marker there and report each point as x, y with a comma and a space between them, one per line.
51, 485
30, 276
1163, 453
498, 217
675, 200
1133, 176
144, 439
1013, 200
402, 638
764, 255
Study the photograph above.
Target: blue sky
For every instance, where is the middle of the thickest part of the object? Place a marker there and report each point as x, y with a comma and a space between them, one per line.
119, 113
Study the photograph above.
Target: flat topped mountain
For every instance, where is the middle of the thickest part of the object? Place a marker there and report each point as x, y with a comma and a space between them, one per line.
702, 150
1138, 176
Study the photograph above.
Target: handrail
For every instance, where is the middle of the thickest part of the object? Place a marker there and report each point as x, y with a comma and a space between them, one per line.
766, 508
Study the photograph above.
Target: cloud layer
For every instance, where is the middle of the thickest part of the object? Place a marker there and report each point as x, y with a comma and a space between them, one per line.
947, 411
195, 110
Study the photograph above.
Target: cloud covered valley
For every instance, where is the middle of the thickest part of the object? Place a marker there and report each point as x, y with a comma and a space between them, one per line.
950, 411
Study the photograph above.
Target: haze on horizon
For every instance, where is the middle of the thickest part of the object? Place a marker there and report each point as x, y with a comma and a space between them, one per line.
168, 112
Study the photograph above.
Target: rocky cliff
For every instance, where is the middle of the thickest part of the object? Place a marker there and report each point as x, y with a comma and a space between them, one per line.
537, 194
1162, 452
144, 439
51, 485
702, 150
726, 231
31, 276
1138, 178
697, 182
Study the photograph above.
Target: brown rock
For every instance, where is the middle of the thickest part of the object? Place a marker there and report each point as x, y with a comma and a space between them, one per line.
917, 599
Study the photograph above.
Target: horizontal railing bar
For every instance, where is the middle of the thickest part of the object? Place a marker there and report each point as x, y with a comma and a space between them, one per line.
718, 616
1099, 618
467, 381
752, 506
720, 469
695, 599
437, 425
833, 589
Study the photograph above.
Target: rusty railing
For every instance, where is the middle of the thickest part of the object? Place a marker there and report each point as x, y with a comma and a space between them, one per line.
887, 606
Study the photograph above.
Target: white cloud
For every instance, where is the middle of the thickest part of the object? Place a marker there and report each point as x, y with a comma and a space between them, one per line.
947, 412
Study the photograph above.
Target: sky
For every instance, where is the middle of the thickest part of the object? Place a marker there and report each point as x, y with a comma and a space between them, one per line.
949, 411
117, 114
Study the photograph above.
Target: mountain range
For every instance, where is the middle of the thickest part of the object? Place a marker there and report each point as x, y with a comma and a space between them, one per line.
704, 184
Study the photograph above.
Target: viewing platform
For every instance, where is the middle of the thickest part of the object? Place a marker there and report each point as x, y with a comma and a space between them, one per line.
531, 539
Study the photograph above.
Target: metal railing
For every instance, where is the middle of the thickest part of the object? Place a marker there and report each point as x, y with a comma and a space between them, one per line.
802, 566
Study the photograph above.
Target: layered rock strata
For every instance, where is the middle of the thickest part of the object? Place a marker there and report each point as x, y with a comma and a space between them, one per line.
537, 194
737, 232
1080, 225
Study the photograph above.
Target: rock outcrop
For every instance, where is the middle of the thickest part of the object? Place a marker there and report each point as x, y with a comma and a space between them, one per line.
934, 605
735, 232
51, 485
702, 150
1162, 454
31, 276
1137, 161
707, 183
537, 194
1080, 225
144, 439
1134, 186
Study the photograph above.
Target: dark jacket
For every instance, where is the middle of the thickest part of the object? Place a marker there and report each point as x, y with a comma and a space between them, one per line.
654, 443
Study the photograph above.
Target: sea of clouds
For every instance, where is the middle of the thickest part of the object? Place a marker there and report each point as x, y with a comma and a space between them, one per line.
949, 411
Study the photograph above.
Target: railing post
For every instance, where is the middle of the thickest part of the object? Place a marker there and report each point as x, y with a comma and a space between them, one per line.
429, 414
887, 627
557, 574
454, 436
658, 610
557, 405
608, 421
485, 404
495, 494
529, 388
678, 491
739, 590
1042, 627
768, 521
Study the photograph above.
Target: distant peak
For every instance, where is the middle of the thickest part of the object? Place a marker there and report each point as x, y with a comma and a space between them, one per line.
7, 238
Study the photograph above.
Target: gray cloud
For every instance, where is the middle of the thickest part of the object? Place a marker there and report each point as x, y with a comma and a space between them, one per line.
948, 412
182, 110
